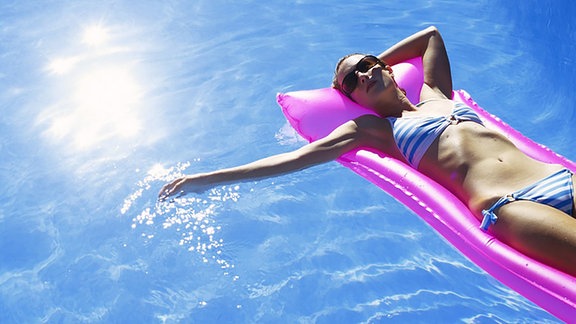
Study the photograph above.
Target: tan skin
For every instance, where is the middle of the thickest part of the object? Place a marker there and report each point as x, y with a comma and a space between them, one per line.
468, 159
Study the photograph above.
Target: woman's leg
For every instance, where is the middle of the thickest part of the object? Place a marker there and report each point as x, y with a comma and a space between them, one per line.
539, 231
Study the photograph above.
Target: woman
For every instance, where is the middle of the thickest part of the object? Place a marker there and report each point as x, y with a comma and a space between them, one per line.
504, 188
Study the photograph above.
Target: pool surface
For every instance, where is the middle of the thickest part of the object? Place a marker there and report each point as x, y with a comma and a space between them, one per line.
102, 102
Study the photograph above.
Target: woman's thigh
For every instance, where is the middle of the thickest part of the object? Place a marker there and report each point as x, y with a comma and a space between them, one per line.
539, 231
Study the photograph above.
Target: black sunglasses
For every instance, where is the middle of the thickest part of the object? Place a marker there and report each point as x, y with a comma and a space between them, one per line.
350, 81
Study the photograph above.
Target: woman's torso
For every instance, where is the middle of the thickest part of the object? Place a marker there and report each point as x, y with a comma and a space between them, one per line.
477, 164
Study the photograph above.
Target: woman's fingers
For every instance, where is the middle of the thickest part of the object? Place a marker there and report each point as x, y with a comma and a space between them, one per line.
190, 183
170, 189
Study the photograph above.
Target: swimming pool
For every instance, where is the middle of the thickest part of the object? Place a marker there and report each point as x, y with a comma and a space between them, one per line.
101, 102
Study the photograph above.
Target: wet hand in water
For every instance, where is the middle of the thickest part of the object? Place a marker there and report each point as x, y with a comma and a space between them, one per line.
172, 188
181, 186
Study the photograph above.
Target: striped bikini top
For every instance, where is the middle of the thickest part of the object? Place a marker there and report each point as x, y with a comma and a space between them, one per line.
414, 135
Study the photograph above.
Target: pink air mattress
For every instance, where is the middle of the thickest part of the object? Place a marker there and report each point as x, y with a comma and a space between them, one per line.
315, 113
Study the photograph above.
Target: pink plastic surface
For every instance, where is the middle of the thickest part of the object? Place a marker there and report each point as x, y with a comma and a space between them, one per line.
315, 113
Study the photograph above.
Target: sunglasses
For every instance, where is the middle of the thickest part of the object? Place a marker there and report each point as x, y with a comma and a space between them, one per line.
350, 81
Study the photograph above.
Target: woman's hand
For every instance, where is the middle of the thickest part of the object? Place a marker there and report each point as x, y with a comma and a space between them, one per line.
189, 183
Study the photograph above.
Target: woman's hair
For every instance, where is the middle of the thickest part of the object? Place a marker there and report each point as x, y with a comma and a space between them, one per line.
335, 83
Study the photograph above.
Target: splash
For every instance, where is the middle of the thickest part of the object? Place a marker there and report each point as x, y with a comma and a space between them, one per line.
288, 136
191, 218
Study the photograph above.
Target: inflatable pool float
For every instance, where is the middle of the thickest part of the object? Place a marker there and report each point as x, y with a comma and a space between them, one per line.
315, 113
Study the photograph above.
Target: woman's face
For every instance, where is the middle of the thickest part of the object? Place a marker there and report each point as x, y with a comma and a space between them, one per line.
368, 83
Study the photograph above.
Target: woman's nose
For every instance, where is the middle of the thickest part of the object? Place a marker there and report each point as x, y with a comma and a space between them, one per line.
375, 69
364, 76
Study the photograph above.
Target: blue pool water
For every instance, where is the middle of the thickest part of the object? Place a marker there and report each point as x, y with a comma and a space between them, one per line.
103, 101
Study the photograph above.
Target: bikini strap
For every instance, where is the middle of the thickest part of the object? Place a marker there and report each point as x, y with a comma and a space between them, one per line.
489, 215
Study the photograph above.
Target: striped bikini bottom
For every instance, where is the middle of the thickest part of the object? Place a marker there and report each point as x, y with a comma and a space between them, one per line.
556, 190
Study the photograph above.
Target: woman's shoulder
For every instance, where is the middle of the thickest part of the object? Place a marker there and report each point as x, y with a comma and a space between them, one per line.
370, 121
376, 132
374, 129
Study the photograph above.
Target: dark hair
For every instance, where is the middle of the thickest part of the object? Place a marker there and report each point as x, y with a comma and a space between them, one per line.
335, 83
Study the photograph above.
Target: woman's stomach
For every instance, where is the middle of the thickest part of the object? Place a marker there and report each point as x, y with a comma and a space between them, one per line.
480, 165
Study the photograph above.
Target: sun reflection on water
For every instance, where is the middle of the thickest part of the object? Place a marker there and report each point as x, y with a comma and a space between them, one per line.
99, 94
95, 35
191, 219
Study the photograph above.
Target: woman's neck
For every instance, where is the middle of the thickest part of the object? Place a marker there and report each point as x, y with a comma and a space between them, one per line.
397, 104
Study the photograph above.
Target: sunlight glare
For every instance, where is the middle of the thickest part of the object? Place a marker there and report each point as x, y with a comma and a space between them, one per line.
60, 127
105, 102
103, 108
101, 96
95, 35
106, 91
62, 65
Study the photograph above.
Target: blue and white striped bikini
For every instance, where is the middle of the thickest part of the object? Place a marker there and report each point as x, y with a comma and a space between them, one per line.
556, 190
414, 135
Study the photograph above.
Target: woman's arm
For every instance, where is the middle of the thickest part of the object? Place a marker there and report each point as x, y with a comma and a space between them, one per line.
343, 139
428, 44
